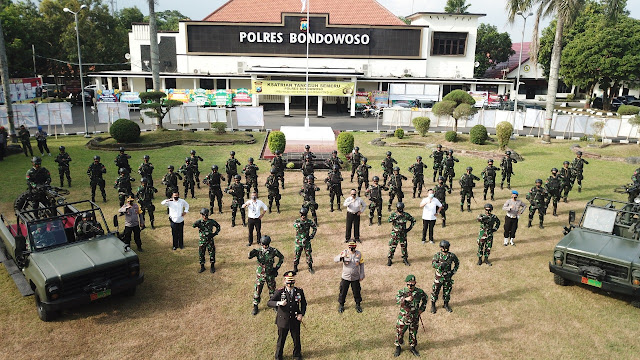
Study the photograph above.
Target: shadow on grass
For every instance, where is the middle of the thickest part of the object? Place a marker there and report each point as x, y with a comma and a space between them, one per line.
507, 258
377, 342
499, 334
511, 295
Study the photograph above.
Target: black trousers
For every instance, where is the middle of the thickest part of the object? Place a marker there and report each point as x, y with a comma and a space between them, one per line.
126, 236
510, 227
344, 288
42, 146
353, 221
294, 328
257, 224
177, 232
427, 224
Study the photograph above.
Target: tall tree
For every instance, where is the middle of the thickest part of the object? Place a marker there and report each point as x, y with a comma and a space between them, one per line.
456, 7
168, 20
128, 16
155, 52
4, 74
492, 48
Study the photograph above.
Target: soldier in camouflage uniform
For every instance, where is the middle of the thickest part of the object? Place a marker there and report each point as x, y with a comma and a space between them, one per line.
399, 231
146, 169
466, 188
196, 169
489, 223
333, 161
123, 185
63, 159
237, 191
94, 172
489, 176
440, 192
170, 180
25, 138
507, 169
437, 156
278, 164
250, 172
355, 159
566, 174
214, 180
307, 153
538, 198
205, 243
554, 188
307, 169
37, 176
413, 302
417, 169
186, 170
266, 272
273, 190
374, 192
577, 166
122, 161
442, 262
334, 185
308, 192
395, 186
303, 239
448, 170
363, 175
387, 167
231, 168
145, 194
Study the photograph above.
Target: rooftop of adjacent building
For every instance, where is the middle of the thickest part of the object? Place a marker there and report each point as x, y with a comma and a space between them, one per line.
496, 72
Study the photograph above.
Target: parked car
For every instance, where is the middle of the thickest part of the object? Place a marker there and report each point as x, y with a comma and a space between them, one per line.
597, 103
626, 99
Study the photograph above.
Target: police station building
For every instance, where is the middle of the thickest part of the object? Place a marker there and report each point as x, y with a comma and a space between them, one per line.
354, 47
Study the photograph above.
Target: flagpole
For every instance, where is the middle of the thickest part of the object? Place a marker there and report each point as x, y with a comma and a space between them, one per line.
306, 113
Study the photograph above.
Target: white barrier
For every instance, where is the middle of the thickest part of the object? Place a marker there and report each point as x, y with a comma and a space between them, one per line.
250, 116
54, 113
23, 114
110, 112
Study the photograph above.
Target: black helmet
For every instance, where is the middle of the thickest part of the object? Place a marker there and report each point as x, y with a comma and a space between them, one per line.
250, 160
490, 161
121, 149
61, 148
400, 205
334, 152
146, 157
307, 147
450, 151
364, 160
439, 146
304, 211
204, 211
192, 152
278, 152
388, 153
469, 168
488, 207
310, 177
419, 158
396, 168
265, 240
356, 148
441, 178
554, 170
36, 160
187, 159
308, 157
97, 157
170, 167
445, 244
214, 167
122, 171
538, 181
578, 152
565, 162
232, 153
237, 177
375, 178
273, 170
336, 167
507, 152
144, 180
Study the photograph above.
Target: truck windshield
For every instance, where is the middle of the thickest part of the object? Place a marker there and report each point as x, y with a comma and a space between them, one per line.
48, 234
599, 219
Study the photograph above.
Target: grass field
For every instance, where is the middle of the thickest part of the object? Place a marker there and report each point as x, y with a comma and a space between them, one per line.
511, 310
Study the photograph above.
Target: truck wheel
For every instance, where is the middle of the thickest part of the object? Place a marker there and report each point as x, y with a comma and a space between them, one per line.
21, 201
129, 292
635, 303
559, 280
44, 314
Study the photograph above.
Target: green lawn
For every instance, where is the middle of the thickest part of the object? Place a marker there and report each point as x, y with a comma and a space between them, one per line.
511, 310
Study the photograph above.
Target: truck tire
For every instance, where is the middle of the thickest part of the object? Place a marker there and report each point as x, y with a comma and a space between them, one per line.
559, 280
635, 303
44, 314
21, 201
129, 292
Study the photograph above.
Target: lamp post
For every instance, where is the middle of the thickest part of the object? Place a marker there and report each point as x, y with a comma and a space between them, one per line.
515, 104
84, 108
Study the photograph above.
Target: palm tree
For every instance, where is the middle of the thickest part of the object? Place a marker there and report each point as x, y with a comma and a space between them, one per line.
4, 74
155, 52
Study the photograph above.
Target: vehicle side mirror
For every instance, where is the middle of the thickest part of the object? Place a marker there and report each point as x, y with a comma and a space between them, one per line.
572, 216
21, 254
115, 220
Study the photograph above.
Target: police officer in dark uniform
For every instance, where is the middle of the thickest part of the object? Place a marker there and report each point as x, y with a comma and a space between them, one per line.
566, 174
250, 172
507, 169
122, 161
291, 307
489, 176
554, 188
170, 180
577, 166
273, 190
214, 180
374, 192
123, 185
307, 153
466, 188
63, 159
334, 185
308, 192
538, 198
278, 163
189, 183
237, 191
145, 194
146, 170
355, 159
448, 170
387, 167
437, 156
95, 171
417, 169
395, 186
440, 192
363, 175
25, 138
194, 164
333, 161
37, 176
231, 168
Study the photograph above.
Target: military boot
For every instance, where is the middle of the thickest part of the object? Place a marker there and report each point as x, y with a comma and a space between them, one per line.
414, 193
398, 351
233, 222
269, 209
509, 185
485, 196
446, 307
555, 212
486, 261
406, 261
358, 308
492, 199
444, 221
419, 193
529, 224
340, 308
370, 221
315, 220
311, 269
93, 199
414, 351
104, 198
198, 185
201, 268
69, 182
61, 183
331, 207
579, 188
541, 226
153, 226
433, 307
388, 261
564, 199
479, 261
501, 185
389, 208
379, 220
434, 178
468, 207
255, 310
339, 209
295, 268
213, 268
278, 208
461, 208
351, 178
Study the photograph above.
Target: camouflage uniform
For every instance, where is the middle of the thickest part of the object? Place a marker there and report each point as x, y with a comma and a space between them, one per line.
308, 192
566, 174
38, 177
303, 240
278, 164
395, 188
214, 180
409, 316
170, 180
538, 198
63, 159
488, 225
95, 172
437, 156
466, 189
375, 197
387, 168
554, 188
145, 195
188, 182
577, 167
309, 154
146, 171
489, 176
250, 171
507, 169
417, 169
441, 262
123, 185
206, 243
196, 168
440, 193
25, 138
334, 185
363, 176
122, 161
399, 232
333, 161
448, 170
307, 169
237, 191
231, 168
273, 191
355, 160
266, 272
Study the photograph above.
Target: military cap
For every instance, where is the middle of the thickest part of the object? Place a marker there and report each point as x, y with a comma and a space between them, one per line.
410, 278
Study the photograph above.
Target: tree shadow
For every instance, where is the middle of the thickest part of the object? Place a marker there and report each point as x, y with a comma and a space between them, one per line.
511, 295
507, 258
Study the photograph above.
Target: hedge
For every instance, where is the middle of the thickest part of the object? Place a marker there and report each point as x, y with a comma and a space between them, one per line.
399, 133
125, 131
451, 136
478, 134
345, 143
422, 125
504, 130
628, 110
276, 141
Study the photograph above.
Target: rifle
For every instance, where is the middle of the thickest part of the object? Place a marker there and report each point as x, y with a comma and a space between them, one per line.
423, 328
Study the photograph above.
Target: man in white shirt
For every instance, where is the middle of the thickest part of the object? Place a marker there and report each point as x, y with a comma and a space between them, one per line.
178, 208
430, 208
256, 211
355, 206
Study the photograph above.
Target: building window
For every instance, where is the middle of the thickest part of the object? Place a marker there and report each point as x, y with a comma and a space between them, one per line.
170, 83
489, 88
449, 43
221, 84
148, 84
206, 84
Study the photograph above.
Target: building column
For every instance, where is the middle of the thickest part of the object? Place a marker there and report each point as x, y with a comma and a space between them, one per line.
353, 97
320, 101
109, 83
130, 84
195, 83
254, 98
119, 83
287, 101
163, 84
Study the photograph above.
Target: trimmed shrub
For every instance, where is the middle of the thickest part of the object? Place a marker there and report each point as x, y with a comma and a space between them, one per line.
478, 134
219, 127
422, 124
125, 131
628, 110
399, 133
276, 141
291, 165
571, 97
451, 136
503, 131
345, 143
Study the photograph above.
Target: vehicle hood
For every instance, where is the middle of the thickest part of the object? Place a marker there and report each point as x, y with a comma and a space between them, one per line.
605, 246
82, 257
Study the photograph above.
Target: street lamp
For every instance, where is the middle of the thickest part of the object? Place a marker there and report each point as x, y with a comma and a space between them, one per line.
84, 108
515, 104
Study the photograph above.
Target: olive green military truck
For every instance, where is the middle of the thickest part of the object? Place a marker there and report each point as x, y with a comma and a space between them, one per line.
603, 249
65, 255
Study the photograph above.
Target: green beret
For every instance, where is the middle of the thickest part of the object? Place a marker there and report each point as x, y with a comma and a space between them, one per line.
410, 278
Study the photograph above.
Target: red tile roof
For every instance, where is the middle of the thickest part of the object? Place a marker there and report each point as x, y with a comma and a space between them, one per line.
342, 12
511, 64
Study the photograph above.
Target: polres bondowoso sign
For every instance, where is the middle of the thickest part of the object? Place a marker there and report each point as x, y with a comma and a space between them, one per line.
289, 39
